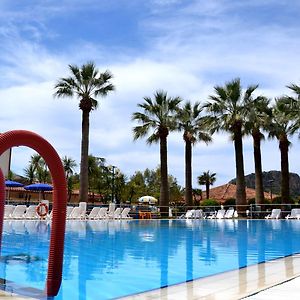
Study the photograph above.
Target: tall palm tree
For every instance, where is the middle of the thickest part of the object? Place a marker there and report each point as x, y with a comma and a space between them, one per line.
157, 119
257, 116
207, 179
282, 126
227, 113
191, 122
86, 83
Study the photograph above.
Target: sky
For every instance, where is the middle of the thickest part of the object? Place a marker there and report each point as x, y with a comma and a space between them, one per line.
183, 47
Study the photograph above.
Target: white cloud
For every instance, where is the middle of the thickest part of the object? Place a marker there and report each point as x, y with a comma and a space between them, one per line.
189, 50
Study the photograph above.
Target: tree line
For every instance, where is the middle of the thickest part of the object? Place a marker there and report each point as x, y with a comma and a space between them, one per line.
229, 109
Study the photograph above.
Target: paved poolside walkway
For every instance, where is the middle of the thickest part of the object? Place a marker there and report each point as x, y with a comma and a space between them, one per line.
277, 279
289, 289
9, 296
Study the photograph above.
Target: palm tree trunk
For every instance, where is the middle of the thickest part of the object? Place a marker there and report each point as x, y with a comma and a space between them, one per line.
259, 189
207, 189
84, 176
285, 181
164, 188
239, 164
188, 173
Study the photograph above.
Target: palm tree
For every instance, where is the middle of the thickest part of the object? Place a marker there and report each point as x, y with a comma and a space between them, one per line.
69, 165
207, 179
86, 83
227, 113
29, 173
157, 119
282, 126
296, 89
191, 122
37, 169
257, 116
35, 161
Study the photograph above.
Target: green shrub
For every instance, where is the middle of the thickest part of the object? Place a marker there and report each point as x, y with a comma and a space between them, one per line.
278, 200
209, 202
230, 201
252, 201
267, 201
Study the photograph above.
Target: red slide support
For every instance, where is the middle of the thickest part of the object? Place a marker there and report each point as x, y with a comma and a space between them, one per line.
26, 138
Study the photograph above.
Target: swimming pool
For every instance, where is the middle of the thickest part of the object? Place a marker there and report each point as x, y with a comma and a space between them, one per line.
111, 259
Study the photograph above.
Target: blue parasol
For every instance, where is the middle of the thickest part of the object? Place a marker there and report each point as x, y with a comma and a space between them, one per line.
11, 183
38, 187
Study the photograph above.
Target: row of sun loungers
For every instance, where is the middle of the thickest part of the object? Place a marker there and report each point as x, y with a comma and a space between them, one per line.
199, 214
276, 214
97, 213
231, 213
72, 213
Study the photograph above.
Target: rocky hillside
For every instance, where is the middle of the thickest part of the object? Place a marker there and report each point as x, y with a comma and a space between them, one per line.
273, 179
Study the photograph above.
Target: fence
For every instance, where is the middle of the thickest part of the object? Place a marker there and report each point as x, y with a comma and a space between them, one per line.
251, 211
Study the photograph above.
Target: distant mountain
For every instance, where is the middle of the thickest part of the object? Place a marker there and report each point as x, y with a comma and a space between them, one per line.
272, 179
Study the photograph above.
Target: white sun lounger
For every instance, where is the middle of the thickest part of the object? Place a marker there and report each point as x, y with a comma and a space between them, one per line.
275, 214
8, 210
219, 215
198, 214
18, 212
188, 215
31, 212
94, 213
102, 213
295, 214
125, 213
78, 212
111, 210
69, 211
229, 213
116, 214
83, 206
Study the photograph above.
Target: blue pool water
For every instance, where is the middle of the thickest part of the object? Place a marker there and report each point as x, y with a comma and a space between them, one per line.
111, 259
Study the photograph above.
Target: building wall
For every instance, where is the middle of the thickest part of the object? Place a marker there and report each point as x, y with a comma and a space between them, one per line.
5, 162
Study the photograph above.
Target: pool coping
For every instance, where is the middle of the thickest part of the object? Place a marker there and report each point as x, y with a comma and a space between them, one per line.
231, 285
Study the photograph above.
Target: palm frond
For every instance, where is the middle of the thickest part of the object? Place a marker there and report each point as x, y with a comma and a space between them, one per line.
153, 138
140, 131
86, 83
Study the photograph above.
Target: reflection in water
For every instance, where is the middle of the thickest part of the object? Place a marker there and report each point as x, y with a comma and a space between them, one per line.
242, 245
137, 255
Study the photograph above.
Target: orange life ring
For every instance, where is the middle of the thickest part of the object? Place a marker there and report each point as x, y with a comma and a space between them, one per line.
40, 212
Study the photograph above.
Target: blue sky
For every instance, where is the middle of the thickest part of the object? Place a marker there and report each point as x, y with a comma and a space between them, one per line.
183, 47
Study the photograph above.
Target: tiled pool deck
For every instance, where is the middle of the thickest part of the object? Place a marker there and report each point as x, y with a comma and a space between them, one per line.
272, 280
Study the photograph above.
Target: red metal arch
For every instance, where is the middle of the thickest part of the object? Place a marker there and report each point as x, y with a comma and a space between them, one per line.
26, 138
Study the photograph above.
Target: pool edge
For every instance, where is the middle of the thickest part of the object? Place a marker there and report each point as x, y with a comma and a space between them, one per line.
231, 285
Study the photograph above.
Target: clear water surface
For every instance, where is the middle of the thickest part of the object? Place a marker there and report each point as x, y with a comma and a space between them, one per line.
111, 259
